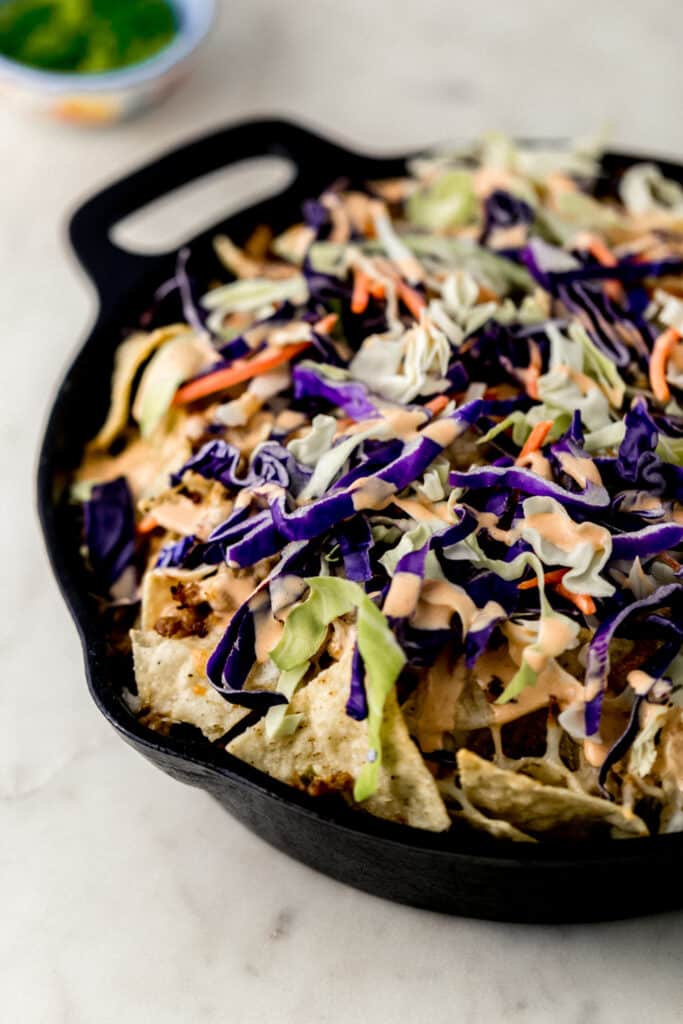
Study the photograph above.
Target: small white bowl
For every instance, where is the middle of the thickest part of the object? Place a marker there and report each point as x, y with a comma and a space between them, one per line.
97, 99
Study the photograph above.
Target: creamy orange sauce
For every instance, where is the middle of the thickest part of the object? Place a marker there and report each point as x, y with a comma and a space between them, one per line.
639, 681
438, 701
484, 616
488, 521
285, 592
423, 514
268, 633
538, 464
179, 514
555, 635
288, 420
584, 383
226, 591
403, 594
397, 422
370, 492
565, 534
443, 432
404, 423
580, 469
553, 682
439, 600
595, 752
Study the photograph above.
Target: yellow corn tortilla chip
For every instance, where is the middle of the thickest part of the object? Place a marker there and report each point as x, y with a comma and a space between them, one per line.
534, 807
328, 749
130, 356
172, 684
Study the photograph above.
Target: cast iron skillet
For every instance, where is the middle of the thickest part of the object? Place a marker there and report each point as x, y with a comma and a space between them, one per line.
454, 873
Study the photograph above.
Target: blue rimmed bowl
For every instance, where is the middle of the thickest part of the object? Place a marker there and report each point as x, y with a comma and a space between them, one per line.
111, 96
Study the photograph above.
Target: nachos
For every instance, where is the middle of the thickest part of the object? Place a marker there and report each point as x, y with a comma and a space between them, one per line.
395, 497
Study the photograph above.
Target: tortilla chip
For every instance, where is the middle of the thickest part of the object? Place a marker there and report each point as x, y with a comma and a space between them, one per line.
130, 356
328, 749
494, 826
224, 589
535, 807
157, 599
671, 757
172, 684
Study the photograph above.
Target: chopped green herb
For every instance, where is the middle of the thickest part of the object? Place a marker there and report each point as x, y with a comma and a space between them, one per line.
84, 36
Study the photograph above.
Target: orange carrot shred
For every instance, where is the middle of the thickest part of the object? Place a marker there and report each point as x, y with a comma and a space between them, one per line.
668, 560
437, 405
584, 602
535, 439
597, 248
551, 578
237, 372
532, 376
361, 292
664, 345
325, 325
376, 288
146, 525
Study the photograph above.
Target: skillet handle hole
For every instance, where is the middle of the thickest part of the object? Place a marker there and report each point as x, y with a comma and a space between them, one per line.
168, 222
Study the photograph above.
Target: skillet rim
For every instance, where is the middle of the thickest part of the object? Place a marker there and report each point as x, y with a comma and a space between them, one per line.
197, 758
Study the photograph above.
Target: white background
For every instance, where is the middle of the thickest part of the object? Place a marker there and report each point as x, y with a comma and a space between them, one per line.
125, 897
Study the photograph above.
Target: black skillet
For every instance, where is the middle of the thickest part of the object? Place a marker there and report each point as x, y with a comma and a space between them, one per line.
456, 873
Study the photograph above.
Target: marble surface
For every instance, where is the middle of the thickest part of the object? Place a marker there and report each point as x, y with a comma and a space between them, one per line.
125, 896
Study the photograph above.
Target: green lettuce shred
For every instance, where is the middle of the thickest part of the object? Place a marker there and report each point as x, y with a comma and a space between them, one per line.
305, 630
449, 202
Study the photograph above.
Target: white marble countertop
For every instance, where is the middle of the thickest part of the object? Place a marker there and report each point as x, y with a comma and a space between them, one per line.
123, 895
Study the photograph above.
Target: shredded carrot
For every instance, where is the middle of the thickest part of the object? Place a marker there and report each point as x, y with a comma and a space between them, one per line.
597, 248
146, 525
533, 371
668, 560
199, 689
361, 291
535, 439
325, 325
237, 372
531, 381
584, 602
664, 345
376, 288
437, 405
551, 578
410, 298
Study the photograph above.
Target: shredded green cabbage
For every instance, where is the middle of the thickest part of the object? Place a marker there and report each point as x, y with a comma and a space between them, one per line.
449, 202
305, 630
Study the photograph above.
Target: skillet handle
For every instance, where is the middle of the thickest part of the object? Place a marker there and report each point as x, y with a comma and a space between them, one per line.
112, 269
